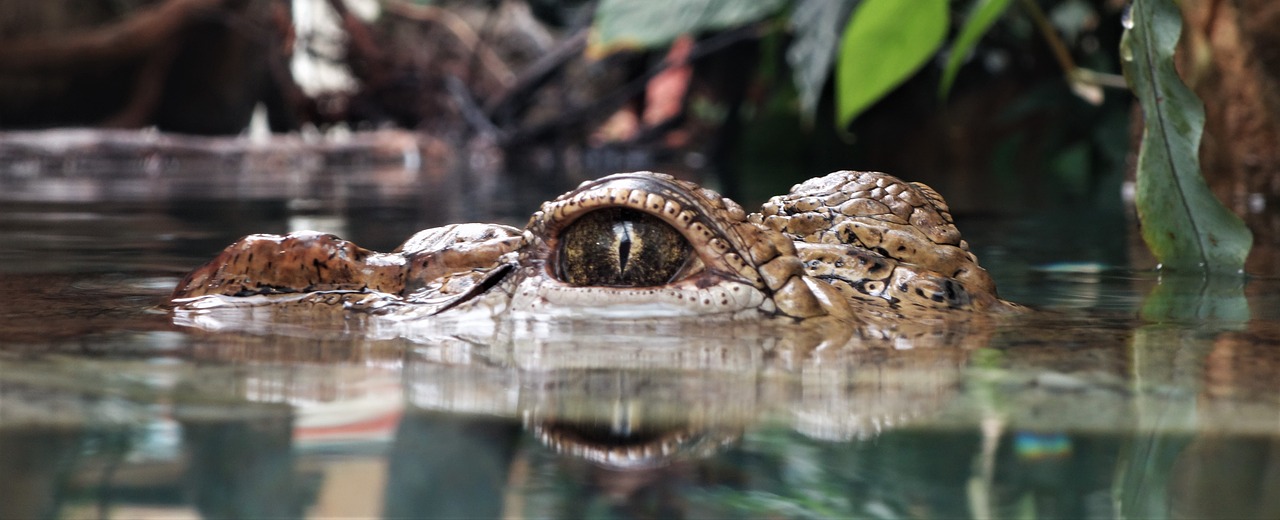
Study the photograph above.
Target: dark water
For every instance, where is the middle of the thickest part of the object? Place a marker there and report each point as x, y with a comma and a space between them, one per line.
1127, 395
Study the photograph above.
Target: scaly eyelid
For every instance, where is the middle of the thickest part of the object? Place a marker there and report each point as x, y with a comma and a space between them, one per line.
691, 213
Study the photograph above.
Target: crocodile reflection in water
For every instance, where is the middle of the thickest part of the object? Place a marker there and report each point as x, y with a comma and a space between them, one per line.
848, 247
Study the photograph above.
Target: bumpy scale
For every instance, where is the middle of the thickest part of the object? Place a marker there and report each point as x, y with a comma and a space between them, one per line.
844, 246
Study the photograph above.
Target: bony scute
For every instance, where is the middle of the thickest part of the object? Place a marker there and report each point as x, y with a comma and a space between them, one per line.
642, 245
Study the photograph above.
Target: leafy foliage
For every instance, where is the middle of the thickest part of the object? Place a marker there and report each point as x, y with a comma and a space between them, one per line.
983, 14
886, 41
877, 45
817, 25
623, 24
880, 46
1183, 224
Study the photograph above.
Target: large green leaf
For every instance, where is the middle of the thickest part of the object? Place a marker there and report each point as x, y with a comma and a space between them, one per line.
1183, 224
817, 25
981, 17
620, 24
885, 42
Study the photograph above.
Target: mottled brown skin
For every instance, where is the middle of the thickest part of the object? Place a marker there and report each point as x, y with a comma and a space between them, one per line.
433, 269
846, 246
881, 241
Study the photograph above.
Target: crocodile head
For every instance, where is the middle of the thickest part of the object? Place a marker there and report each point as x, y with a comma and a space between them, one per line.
845, 246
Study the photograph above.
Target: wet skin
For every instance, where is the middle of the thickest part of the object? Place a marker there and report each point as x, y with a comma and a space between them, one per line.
840, 247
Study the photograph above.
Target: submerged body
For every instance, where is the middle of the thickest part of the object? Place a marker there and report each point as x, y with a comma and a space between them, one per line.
849, 246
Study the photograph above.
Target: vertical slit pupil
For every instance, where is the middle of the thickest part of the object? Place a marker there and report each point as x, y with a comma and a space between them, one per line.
622, 233
620, 247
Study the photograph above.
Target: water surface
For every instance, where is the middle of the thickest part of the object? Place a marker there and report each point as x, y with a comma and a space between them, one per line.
1126, 394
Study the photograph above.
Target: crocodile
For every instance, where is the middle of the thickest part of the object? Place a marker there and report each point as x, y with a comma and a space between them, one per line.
846, 247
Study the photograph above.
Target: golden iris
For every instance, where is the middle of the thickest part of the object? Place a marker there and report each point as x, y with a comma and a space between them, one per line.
621, 247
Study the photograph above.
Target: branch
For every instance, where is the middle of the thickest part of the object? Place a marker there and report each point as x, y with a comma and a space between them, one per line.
130, 38
614, 99
493, 65
536, 75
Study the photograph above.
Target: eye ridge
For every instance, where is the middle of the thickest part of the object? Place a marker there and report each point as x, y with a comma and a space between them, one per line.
621, 247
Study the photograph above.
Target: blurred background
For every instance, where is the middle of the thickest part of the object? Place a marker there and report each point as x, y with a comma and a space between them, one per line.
737, 94
533, 84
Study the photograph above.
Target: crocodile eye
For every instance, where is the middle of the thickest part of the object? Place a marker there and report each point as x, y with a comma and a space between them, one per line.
619, 247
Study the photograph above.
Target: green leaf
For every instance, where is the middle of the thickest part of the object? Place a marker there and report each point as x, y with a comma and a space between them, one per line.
1183, 224
630, 24
981, 17
885, 42
816, 24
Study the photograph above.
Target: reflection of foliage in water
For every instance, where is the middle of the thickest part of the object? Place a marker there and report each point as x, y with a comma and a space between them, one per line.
898, 474
789, 480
